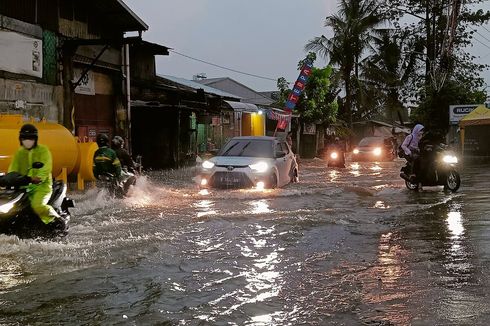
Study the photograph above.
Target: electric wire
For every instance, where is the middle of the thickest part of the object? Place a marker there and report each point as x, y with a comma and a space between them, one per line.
223, 67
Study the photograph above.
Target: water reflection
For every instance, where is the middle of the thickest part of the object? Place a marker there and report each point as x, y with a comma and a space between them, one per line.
263, 281
10, 274
458, 264
260, 207
376, 167
205, 207
386, 282
334, 175
355, 167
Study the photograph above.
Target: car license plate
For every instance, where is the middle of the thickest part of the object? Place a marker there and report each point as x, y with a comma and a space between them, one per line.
229, 179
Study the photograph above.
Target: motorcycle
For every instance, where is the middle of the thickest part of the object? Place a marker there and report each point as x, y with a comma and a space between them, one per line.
440, 171
335, 158
117, 187
17, 216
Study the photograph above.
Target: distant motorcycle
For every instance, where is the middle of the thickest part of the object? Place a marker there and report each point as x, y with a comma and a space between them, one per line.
17, 216
117, 187
441, 170
335, 157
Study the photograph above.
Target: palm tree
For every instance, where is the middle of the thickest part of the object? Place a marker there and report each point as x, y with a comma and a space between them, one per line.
351, 27
391, 69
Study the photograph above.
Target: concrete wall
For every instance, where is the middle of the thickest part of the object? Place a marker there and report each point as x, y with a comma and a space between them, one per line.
34, 99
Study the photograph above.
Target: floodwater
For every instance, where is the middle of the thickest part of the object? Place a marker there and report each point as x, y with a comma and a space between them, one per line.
343, 247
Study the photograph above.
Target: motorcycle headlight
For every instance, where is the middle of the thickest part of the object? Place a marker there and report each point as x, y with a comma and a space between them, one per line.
450, 159
377, 151
259, 167
355, 151
334, 155
5, 208
207, 165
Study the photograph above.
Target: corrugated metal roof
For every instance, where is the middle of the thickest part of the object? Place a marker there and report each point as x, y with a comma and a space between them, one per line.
195, 85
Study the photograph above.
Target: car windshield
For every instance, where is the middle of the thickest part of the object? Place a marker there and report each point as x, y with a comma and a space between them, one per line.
247, 148
371, 141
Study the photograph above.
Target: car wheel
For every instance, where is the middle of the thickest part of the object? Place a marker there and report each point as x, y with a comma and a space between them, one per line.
273, 181
295, 177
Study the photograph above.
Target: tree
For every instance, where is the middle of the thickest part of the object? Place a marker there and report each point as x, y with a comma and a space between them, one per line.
351, 28
318, 102
389, 73
446, 28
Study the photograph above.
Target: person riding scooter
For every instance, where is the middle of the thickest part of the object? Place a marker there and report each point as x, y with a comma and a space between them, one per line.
410, 147
127, 162
336, 153
106, 161
34, 161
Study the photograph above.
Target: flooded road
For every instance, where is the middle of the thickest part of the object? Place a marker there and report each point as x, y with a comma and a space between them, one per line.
342, 247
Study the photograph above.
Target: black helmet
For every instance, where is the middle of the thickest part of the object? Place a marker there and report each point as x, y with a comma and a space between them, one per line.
102, 140
118, 142
28, 131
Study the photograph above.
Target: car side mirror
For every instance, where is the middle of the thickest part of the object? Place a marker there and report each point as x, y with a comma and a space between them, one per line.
280, 154
37, 165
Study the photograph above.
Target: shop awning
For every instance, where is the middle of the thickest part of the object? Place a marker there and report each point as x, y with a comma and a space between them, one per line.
479, 116
243, 107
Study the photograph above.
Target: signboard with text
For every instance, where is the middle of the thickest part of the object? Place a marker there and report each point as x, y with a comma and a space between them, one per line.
457, 112
21, 54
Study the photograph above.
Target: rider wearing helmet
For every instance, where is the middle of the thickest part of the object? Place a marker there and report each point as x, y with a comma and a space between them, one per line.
123, 155
41, 186
105, 159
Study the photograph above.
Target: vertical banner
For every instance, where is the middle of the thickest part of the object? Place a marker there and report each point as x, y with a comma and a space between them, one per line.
298, 89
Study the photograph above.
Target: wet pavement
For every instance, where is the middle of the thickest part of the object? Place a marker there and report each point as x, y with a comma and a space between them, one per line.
343, 247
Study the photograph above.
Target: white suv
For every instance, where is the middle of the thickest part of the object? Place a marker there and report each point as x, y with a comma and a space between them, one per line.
251, 162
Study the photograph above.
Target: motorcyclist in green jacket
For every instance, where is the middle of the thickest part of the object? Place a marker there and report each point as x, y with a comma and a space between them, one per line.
105, 159
41, 186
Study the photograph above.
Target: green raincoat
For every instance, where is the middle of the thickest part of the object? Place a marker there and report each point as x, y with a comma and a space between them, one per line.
39, 194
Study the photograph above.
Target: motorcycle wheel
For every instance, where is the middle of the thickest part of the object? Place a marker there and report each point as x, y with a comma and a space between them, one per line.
453, 181
411, 186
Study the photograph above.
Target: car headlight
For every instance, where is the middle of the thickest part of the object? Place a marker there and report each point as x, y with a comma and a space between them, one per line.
450, 159
377, 151
207, 165
259, 167
355, 151
334, 155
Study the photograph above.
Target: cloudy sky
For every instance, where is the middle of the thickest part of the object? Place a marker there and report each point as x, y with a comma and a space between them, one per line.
259, 37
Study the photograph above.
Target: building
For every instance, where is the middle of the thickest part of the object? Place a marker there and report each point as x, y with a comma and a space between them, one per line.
62, 62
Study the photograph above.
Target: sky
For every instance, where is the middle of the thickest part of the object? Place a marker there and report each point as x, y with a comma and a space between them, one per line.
259, 37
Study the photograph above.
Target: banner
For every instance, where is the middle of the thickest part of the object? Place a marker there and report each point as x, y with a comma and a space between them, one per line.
299, 86
298, 89
21, 54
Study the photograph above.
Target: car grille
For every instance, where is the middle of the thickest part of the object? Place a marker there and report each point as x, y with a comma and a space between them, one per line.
231, 180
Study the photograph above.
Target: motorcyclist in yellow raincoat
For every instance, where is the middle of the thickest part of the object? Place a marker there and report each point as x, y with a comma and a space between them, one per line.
41, 186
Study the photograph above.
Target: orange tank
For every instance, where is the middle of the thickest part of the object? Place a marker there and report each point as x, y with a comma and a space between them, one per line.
60, 141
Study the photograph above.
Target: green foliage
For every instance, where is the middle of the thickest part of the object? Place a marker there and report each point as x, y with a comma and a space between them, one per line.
433, 111
318, 101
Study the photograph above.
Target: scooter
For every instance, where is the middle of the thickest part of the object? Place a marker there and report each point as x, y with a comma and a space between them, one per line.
17, 216
336, 158
441, 171
117, 187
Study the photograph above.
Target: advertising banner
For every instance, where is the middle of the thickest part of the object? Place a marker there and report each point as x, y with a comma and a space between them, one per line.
21, 54
457, 112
